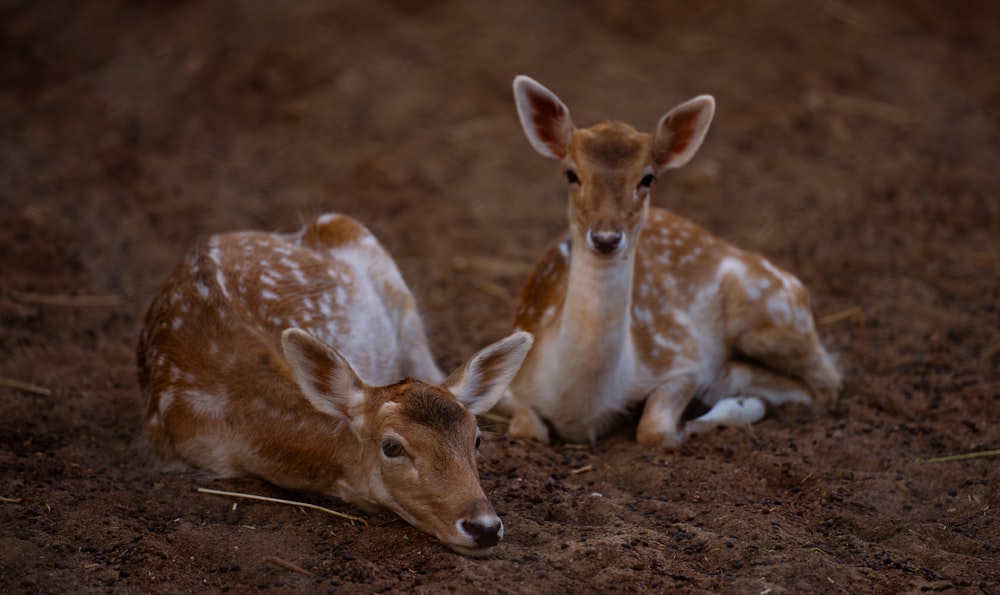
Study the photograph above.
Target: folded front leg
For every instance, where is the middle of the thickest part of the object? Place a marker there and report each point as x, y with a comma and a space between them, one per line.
661, 417
525, 423
731, 411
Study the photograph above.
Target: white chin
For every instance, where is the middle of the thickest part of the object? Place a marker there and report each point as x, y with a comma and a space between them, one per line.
472, 552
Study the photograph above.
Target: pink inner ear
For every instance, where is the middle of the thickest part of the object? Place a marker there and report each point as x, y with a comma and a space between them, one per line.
680, 137
680, 133
548, 118
544, 118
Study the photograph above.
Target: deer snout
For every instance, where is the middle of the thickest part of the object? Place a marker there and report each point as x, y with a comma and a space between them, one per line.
486, 533
482, 525
606, 239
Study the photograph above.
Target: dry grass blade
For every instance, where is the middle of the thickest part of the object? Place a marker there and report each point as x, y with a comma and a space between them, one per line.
6, 500
74, 301
31, 388
490, 288
856, 312
486, 264
495, 417
583, 469
869, 108
838, 316
287, 565
280, 501
962, 457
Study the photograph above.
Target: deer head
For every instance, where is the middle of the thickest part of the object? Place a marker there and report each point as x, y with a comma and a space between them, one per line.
418, 441
610, 167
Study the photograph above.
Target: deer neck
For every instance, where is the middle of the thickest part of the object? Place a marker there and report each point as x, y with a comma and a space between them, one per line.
596, 315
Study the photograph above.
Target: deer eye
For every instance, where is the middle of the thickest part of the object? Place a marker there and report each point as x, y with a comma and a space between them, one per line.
479, 440
647, 181
392, 449
571, 177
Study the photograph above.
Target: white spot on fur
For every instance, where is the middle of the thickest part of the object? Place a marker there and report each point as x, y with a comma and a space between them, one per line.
295, 270
564, 248
205, 403
327, 218
787, 281
220, 279
779, 309
663, 342
803, 320
213, 250
166, 400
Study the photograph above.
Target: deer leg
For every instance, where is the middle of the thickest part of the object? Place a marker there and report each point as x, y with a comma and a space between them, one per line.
525, 423
661, 417
739, 393
796, 356
730, 411
822, 377
742, 379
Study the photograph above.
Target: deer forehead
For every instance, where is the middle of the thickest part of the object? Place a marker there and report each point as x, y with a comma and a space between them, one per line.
416, 404
611, 148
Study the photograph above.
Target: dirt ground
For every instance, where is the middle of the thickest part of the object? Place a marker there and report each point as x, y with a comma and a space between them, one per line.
855, 144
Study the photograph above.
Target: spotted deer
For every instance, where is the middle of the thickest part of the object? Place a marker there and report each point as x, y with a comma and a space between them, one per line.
280, 356
636, 304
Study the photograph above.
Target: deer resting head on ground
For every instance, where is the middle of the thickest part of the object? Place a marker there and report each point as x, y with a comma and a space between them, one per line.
292, 358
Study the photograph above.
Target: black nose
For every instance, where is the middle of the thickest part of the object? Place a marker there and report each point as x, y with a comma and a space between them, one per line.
605, 241
484, 535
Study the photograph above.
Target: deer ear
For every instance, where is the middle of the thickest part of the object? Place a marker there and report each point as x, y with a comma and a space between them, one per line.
480, 382
326, 378
544, 118
680, 132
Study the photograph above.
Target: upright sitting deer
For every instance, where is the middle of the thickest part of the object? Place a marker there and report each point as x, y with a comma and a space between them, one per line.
636, 304
279, 356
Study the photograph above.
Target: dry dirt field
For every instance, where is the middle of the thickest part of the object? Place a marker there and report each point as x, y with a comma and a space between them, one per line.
855, 144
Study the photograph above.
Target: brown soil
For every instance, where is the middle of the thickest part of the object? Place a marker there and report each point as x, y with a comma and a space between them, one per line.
856, 144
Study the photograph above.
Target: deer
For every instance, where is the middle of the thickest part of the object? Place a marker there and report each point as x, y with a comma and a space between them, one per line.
301, 359
637, 310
